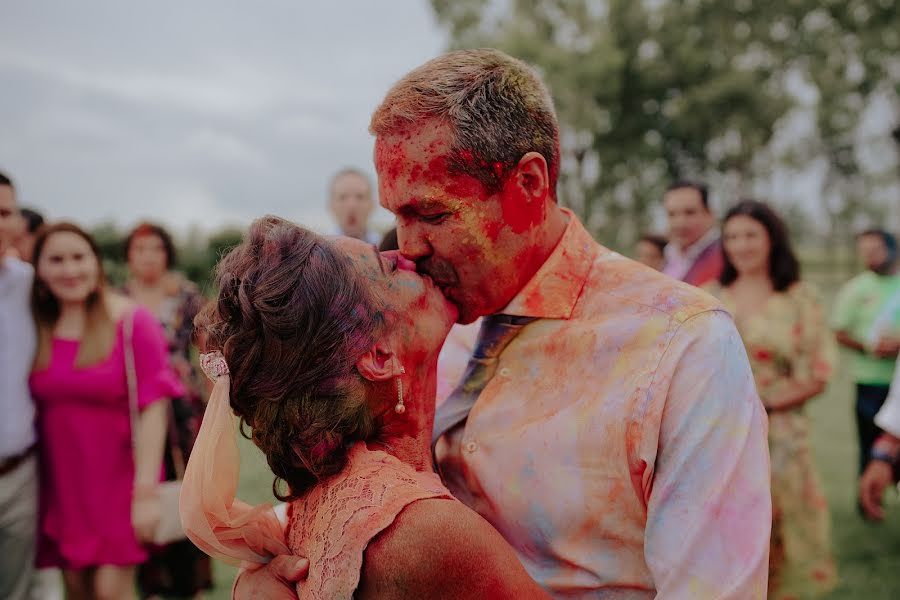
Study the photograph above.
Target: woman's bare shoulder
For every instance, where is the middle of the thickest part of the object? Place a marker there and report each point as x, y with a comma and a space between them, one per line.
438, 548
118, 305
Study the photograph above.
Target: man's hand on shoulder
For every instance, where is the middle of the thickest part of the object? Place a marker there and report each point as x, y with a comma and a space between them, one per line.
276, 580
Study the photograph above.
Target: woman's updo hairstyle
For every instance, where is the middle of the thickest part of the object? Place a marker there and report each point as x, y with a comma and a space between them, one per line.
292, 318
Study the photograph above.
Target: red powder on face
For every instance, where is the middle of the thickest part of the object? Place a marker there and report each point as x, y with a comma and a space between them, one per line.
389, 161
492, 230
459, 185
520, 214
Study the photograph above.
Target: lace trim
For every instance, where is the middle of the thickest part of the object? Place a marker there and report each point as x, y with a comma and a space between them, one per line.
333, 523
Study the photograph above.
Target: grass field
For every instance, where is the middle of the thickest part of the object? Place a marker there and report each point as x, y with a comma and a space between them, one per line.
868, 555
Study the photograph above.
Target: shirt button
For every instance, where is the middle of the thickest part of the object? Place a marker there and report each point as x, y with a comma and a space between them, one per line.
471, 447
504, 372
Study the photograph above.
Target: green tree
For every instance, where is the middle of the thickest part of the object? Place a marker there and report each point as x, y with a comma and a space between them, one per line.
199, 255
652, 90
110, 241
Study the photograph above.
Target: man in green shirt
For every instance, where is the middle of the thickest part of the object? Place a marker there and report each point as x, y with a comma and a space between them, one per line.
866, 320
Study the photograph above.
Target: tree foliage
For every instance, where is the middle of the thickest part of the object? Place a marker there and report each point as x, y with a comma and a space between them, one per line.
197, 253
652, 90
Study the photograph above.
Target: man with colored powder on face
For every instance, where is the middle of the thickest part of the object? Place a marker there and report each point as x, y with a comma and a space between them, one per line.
602, 417
694, 251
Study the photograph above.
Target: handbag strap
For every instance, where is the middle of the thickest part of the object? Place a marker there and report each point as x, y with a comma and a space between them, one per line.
133, 410
131, 379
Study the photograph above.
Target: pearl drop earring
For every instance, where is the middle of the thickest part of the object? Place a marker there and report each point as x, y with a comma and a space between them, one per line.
400, 408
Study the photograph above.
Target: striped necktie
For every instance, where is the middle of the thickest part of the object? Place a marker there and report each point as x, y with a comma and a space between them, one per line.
496, 332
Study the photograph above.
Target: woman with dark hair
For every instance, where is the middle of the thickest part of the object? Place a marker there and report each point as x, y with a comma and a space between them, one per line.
99, 476
651, 250
177, 569
327, 351
792, 354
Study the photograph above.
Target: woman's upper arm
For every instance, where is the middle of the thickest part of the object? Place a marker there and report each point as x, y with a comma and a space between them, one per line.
440, 549
155, 377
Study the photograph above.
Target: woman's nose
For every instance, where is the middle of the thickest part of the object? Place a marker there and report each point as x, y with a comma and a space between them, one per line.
403, 263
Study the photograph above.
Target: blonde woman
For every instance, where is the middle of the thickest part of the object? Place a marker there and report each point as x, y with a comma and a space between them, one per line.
98, 493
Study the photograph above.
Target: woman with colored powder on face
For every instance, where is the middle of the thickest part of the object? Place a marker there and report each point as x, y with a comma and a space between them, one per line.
99, 476
327, 351
792, 355
178, 569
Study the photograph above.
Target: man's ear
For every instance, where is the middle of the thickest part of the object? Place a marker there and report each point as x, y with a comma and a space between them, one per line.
533, 176
378, 363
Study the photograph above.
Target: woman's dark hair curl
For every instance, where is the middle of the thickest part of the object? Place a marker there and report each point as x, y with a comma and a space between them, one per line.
292, 318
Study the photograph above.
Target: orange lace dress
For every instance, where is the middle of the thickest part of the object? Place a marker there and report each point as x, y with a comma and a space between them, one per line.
332, 523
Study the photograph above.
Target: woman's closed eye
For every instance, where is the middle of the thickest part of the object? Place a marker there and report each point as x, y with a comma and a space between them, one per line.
388, 262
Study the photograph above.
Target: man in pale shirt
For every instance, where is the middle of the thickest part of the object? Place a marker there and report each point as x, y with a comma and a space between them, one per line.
694, 251
884, 458
18, 465
351, 204
617, 443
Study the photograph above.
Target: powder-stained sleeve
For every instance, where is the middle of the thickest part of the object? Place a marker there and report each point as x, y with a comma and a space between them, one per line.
709, 506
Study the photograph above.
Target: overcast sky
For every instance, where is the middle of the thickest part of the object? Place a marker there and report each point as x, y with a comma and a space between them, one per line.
197, 112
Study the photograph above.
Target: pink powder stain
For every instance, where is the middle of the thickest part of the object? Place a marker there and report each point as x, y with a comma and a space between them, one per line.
536, 303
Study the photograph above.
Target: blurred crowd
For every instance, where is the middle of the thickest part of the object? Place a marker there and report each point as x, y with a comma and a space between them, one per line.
102, 397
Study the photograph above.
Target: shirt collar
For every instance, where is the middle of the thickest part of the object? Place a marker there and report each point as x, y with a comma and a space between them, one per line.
554, 290
672, 252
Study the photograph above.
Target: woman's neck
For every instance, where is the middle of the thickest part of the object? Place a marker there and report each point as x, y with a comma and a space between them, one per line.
152, 283
759, 278
71, 321
149, 292
407, 436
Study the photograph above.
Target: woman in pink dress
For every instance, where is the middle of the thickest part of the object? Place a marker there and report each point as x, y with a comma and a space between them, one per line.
97, 492
327, 350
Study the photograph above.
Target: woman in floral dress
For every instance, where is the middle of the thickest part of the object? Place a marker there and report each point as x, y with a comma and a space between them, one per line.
792, 354
178, 569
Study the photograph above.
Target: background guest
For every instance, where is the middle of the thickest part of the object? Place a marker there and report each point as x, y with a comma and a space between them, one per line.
32, 221
178, 569
885, 456
859, 306
792, 354
351, 204
650, 250
18, 465
98, 477
693, 254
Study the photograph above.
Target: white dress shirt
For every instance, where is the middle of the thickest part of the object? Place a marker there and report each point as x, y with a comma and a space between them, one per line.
18, 343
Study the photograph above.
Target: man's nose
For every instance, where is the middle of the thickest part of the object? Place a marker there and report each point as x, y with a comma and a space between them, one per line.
404, 263
413, 245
